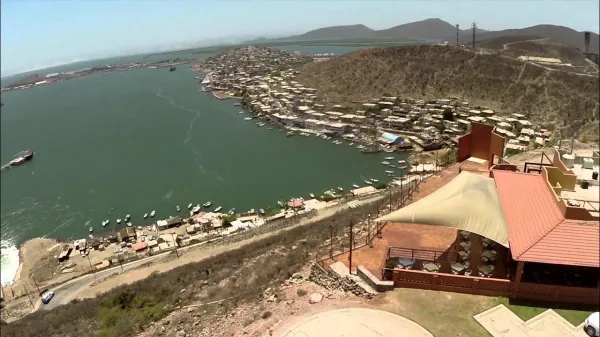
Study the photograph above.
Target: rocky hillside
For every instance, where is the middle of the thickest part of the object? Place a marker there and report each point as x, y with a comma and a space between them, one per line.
552, 98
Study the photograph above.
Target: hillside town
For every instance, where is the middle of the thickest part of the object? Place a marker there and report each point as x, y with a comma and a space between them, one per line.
264, 80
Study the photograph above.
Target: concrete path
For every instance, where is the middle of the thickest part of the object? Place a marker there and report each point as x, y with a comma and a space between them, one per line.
499, 321
356, 322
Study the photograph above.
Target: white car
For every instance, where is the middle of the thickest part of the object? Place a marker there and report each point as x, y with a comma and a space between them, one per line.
47, 297
591, 326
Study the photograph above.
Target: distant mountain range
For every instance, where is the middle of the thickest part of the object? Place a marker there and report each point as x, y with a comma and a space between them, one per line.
440, 30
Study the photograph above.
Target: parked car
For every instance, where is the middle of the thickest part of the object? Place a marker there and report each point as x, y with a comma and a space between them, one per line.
591, 326
47, 297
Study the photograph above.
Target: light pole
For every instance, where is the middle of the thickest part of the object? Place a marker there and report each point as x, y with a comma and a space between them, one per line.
173, 235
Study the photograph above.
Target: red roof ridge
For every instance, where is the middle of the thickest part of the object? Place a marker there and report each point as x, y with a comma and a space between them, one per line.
541, 237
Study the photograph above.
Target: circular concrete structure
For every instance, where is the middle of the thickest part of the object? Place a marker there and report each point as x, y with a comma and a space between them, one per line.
359, 322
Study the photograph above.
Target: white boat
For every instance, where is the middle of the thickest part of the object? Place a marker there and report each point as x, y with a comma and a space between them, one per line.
340, 189
127, 217
241, 112
91, 237
152, 214
389, 158
190, 205
91, 229
248, 118
218, 209
107, 221
374, 180
392, 165
280, 203
385, 162
312, 195
129, 224
195, 209
178, 209
145, 215
350, 144
119, 220
355, 186
368, 182
207, 204
401, 162
390, 172
103, 223
262, 211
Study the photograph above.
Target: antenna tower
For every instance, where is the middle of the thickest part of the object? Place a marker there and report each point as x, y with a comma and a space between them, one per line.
474, 27
457, 30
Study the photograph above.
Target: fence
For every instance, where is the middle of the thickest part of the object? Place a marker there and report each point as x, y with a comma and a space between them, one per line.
421, 254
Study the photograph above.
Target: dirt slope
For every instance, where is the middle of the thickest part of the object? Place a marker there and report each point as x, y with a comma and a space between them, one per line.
551, 98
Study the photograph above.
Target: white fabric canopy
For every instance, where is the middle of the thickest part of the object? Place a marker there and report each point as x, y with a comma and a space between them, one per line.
468, 202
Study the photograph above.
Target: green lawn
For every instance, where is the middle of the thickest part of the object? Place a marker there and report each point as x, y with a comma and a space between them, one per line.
528, 309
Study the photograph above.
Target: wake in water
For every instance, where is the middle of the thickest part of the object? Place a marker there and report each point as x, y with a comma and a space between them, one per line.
173, 104
198, 156
168, 195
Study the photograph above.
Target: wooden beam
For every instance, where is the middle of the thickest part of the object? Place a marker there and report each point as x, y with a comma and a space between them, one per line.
518, 275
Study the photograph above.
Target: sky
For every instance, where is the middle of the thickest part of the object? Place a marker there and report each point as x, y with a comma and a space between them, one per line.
37, 34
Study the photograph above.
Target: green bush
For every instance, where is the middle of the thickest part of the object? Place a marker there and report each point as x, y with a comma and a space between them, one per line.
301, 292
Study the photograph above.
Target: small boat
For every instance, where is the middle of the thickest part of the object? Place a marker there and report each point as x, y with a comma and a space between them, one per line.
312, 195
107, 221
402, 167
401, 162
350, 144
385, 162
389, 172
389, 158
178, 209
340, 189
190, 205
207, 204
248, 118
129, 224
374, 180
262, 211
91, 237
290, 133
91, 229
231, 211
103, 223
139, 228
145, 215
127, 217
355, 186
152, 214
368, 182
269, 128
241, 112
280, 203
119, 220
392, 165
218, 209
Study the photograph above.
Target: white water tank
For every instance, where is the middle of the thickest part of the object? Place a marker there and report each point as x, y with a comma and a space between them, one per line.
568, 160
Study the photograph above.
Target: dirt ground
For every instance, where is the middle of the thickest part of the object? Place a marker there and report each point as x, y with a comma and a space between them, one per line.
536, 155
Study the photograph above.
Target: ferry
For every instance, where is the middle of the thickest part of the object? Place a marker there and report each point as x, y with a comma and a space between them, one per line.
152, 214
145, 215
385, 162
355, 186
218, 209
312, 195
207, 204
262, 211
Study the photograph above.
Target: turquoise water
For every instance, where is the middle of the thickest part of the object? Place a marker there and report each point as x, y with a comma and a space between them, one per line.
148, 139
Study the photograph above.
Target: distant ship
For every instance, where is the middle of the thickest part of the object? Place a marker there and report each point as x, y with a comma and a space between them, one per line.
172, 68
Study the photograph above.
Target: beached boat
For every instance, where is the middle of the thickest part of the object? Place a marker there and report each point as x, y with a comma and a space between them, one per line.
119, 220
152, 214
262, 211
312, 195
218, 209
145, 215
207, 204
355, 186
91, 229
385, 162
177, 208
280, 203
190, 205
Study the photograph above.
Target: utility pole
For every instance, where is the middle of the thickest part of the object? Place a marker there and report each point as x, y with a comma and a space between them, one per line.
351, 246
474, 27
331, 241
457, 30
90, 262
120, 262
36, 285
29, 297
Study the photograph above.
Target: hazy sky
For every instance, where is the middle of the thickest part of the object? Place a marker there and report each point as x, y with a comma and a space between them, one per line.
39, 34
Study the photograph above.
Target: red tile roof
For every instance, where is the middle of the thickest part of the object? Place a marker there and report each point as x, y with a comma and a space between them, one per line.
538, 231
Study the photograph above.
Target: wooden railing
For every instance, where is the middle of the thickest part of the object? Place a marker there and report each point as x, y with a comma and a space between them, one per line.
422, 254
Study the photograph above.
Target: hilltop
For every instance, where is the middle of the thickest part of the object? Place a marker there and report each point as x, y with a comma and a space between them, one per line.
348, 32
552, 98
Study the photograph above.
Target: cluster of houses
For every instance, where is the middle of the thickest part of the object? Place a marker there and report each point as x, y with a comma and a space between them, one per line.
264, 79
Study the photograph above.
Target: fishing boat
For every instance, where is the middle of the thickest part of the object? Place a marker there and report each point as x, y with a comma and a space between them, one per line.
218, 209
389, 172
190, 205
392, 165
127, 217
355, 186
350, 144
103, 223
389, 158
195, 209
91, 237
248, 118
91, 229
385, 162
129, 224
119, 220
401, 162
388, 150
290, 133
241, 112
312, 195
262, 211
152, 214
374, 180
145, 215
207, 204
368, 182
280, 203
178, 209
340, 189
